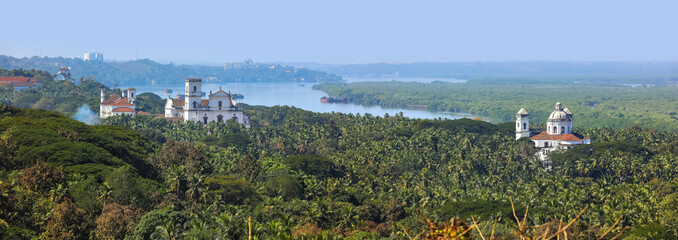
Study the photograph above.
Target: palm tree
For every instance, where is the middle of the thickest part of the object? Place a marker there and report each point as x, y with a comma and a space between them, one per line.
175, 178
166, 232
105, 193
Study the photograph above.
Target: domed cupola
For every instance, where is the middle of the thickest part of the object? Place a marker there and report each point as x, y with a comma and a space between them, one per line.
560, 121
560, 115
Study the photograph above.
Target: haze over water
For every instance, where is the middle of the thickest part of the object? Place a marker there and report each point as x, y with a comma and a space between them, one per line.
304, 97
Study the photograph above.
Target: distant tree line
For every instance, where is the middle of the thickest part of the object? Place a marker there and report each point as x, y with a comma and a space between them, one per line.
145, 71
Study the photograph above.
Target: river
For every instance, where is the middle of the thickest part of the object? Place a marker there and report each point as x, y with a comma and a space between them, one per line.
304, 97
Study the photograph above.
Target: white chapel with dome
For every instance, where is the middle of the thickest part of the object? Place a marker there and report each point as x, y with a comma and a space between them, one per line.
557, 135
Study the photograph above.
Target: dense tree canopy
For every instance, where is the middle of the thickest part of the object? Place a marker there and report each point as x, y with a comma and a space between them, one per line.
297, 174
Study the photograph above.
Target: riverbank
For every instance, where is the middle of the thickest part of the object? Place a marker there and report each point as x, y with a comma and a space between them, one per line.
592, 105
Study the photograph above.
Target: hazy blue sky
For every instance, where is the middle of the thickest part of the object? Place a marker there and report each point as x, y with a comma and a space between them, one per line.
343, 31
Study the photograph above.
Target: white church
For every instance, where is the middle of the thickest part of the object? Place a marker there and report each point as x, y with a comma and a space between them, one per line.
116, 105
557, 135
219, 106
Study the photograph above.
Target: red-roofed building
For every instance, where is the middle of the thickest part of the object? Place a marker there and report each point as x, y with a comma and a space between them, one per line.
557, 135
116, 105
19, 83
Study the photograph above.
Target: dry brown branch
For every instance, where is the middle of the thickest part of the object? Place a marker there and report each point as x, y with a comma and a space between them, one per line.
543, 236
475, 224
493, 226
560, 223
610, 229
422, 232
514, 212
464, 232
569, 224
619, 234
249, 225
525, 216
404, 230
522, 230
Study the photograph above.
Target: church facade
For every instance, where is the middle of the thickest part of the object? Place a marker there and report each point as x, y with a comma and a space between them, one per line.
219, 106
116, 105
557, 135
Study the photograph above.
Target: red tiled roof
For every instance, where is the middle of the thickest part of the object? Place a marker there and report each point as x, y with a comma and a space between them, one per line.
122, 102
23, 84
16, 79
19, 81
569, 137
123, 109
111, 99
178, 102
116, 100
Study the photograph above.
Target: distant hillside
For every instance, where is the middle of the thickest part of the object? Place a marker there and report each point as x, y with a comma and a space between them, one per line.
667, 70
147, 71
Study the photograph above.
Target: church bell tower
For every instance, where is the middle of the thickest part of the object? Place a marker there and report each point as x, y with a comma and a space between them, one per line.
522, 124
193, 97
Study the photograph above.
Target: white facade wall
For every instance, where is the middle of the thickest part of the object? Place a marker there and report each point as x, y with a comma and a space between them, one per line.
560, 127
522, 126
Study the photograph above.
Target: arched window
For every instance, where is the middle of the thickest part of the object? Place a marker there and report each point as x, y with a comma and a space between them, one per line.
132, 94
204, 119
524, 125
555, 129
517, 125
195, 104
562, 129
219, 103
195, 88
546, 144
235, 118
220, 118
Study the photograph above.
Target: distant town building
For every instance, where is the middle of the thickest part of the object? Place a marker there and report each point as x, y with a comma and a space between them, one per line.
248, 63
219, 106
557, 135
117, 105
94, 57
63, 74
19, 83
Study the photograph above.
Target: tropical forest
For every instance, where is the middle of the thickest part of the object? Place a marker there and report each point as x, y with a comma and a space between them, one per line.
297, 174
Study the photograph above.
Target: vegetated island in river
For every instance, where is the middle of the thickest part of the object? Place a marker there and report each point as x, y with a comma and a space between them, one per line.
598, 104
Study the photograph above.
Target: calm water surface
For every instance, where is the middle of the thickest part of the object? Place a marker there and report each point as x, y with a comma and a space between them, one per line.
304, 97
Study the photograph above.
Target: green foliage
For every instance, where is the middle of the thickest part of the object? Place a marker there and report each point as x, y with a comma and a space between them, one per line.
150, 103
153, 134
123, 182
62, 96
336, 176
285, 186
669, 213
233, 190
85, 194
150, 221
315, 165
595, 102
145, 71
649, 231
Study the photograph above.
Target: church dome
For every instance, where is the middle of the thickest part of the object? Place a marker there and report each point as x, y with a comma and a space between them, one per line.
559, 114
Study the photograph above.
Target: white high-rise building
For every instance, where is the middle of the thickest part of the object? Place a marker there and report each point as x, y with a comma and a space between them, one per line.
93, 57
